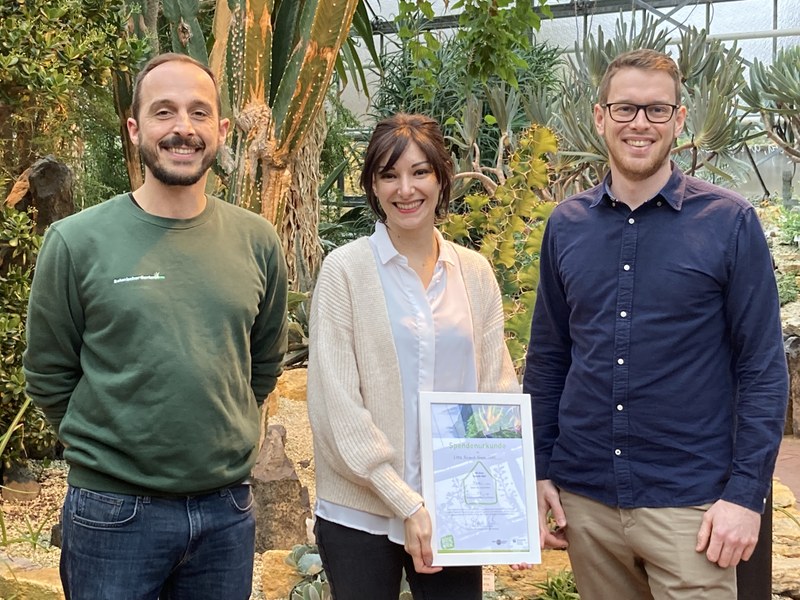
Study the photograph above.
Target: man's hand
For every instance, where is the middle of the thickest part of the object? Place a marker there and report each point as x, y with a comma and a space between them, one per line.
728, 533
418, 541
550, 502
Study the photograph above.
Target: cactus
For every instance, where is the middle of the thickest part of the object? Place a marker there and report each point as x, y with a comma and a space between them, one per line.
142, 26
275, 59
506, 222
187, 36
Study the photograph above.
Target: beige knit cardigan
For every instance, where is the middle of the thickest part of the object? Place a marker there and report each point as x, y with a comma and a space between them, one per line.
355, 402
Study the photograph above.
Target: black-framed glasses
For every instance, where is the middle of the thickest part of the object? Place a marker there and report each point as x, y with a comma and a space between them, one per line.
625, 112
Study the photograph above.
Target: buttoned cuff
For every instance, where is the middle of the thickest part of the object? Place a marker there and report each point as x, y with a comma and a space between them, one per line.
747, 492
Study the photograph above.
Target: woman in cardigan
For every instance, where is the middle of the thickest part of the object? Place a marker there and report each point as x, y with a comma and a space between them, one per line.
397, 313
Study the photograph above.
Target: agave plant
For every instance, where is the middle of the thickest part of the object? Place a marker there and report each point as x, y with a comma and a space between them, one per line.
774, 93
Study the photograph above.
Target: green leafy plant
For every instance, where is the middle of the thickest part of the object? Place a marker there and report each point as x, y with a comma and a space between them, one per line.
789, 225
453, 92
491, 32
787, 288
48, 50
31, 536
495, 31
558, 587
24, 427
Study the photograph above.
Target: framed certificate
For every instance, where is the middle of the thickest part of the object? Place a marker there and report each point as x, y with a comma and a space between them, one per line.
478, 478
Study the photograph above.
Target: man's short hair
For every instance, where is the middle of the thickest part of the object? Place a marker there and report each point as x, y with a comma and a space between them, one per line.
161, 59
646, 60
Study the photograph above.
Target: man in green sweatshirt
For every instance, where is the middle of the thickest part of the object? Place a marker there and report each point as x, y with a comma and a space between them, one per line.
156, 329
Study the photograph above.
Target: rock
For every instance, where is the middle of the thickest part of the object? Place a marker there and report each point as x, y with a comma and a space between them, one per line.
55, 535
792, 346
20, 484
282, 503
790, 267
785, 542
782, 496
271, 406
292, 385
46, 185
21, 579
277, 578
785, 580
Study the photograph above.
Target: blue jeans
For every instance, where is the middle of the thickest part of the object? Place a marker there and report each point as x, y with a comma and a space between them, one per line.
121, 547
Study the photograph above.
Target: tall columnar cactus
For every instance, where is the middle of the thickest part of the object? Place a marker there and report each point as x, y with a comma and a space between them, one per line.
142, 25
187, 36
275, 59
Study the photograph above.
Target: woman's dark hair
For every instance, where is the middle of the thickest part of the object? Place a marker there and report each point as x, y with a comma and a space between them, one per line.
390, 139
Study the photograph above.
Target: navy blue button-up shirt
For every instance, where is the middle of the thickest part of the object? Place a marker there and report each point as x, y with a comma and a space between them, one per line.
656, 364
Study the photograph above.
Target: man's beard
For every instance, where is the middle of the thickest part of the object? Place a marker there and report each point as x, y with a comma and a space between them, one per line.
150, 158
637, 171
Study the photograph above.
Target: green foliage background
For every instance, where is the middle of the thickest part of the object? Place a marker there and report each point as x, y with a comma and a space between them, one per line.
19, 245
56, 63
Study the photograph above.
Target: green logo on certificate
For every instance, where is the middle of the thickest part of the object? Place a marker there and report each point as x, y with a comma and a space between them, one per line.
447, 542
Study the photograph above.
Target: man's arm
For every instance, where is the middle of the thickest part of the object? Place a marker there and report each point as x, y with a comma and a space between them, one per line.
729, 531
268, 338
753, 315
549, 353
54, 328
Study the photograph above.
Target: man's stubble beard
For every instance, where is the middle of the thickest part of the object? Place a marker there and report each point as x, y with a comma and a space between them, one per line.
150, 159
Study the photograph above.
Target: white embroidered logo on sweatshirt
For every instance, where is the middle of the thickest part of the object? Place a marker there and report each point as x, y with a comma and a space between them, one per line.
155, 275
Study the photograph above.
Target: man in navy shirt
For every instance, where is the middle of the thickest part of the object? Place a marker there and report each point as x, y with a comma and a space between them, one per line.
656, 363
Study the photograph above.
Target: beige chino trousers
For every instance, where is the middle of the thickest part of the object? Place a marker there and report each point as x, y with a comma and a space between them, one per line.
641, 553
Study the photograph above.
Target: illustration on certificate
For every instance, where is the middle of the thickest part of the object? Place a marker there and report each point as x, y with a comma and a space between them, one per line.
479, 478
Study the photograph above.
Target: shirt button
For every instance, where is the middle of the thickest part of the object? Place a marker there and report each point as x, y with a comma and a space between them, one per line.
626, 267
620, 361
623, 314
658, 203
617, 451
631, 221
619, 406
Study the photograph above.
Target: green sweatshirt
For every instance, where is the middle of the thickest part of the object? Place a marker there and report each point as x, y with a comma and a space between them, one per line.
152, 343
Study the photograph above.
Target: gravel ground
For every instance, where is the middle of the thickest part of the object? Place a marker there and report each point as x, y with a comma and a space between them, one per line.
27, 525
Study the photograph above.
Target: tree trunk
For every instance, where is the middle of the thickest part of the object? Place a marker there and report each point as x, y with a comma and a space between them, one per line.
288, 193
300, 223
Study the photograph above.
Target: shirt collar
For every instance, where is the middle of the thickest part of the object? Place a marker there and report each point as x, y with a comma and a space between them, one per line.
387, 251
672, 192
